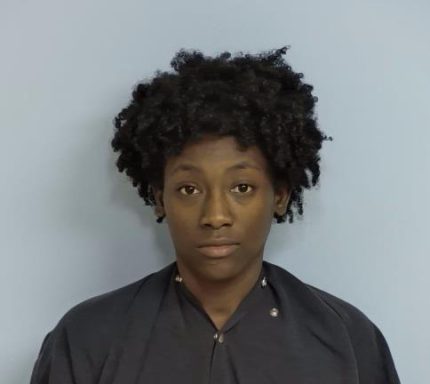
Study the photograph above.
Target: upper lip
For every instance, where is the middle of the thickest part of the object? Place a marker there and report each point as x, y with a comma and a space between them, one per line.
218, 242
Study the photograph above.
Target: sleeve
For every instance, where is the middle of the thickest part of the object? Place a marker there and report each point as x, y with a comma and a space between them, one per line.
388, 368
77, 349
374, 360
61, 361
41, 363
53, 364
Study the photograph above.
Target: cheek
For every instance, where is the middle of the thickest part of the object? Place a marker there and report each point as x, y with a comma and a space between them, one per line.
261, 219
261, 209
181, 223
257, 221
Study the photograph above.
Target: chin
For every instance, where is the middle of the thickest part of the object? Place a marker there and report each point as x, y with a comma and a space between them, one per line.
218, 270
208, 269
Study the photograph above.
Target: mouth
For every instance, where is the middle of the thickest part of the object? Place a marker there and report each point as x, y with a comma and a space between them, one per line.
218, 250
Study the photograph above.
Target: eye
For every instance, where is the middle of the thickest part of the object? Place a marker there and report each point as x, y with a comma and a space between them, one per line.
187, 188
242, 189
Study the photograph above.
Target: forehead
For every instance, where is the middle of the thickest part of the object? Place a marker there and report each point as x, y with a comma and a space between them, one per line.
215, 153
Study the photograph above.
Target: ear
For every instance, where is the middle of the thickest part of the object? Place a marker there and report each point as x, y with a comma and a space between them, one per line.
282, 197
159, 204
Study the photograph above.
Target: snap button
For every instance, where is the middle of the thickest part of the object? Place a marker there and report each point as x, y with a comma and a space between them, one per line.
219, 337
263, 282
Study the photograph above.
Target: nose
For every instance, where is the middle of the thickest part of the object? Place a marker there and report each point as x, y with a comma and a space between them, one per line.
215, 210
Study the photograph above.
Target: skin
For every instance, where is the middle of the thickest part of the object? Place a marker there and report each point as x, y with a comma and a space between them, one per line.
212, 202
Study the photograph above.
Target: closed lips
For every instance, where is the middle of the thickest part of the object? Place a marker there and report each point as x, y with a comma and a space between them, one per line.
218, 243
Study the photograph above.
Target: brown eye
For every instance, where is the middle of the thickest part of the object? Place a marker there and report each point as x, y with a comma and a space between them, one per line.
188, 188
243, 187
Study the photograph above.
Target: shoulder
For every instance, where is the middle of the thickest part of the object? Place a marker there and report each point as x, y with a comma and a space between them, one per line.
371, 351
101, 313
93, 324
352, 316
320, 300
81, 340
104, 310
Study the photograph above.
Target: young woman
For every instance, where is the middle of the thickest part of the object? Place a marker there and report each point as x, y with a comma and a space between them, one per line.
221, 148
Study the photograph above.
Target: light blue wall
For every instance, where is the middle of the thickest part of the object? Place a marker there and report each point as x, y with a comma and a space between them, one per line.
72, 227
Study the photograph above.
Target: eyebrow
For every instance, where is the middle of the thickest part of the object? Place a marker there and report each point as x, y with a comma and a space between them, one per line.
190, 167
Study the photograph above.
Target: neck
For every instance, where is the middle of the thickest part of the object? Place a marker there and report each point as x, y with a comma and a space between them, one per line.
218, 298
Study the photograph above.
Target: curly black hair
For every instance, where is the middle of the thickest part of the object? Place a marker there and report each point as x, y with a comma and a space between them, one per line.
258, 99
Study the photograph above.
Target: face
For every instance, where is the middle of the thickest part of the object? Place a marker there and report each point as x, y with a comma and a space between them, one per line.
213, 190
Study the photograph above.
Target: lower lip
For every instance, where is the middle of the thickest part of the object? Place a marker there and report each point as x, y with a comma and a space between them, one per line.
219, 250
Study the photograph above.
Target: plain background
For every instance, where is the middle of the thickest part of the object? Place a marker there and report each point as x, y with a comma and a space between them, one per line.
73, 227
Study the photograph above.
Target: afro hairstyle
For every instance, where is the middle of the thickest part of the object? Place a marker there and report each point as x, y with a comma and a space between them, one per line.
258, 99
